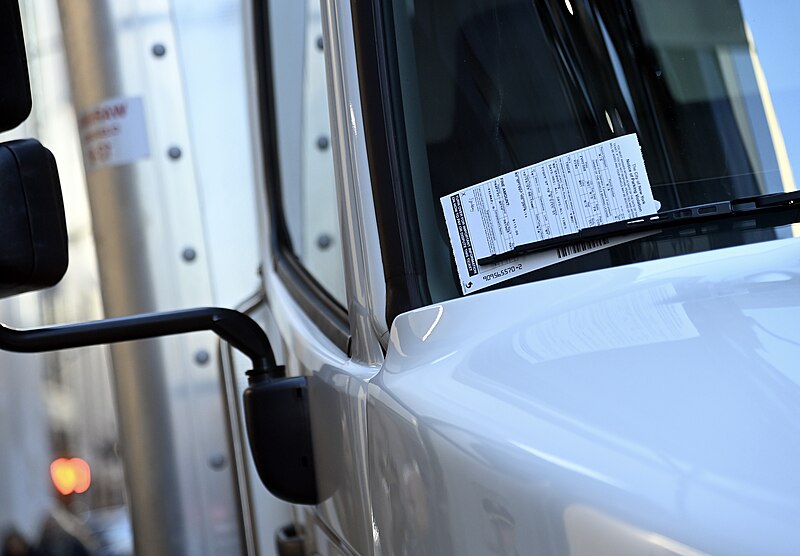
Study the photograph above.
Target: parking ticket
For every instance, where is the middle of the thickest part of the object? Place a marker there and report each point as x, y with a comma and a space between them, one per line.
589, 187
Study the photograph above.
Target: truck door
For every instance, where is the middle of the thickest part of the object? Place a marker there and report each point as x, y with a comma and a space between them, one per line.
313, 267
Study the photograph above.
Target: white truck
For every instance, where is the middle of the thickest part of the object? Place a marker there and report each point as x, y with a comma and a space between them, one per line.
630, 387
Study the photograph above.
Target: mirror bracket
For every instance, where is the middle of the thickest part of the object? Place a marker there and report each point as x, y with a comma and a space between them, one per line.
238, 329
277, 409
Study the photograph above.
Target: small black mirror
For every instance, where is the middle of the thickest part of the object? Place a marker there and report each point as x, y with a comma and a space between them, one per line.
15, 91
33, 232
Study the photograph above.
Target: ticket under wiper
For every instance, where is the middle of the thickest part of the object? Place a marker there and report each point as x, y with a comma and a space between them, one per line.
589, 187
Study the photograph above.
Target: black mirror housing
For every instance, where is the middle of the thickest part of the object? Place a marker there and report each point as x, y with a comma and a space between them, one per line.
15, 91
278, 417
33, 231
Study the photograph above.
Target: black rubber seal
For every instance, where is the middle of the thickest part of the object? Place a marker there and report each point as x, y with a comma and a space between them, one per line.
390, 171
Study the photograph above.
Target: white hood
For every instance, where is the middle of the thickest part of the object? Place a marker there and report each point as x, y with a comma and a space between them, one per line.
645, 406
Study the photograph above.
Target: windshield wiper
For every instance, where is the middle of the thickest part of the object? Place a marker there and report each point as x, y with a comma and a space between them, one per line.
658, 221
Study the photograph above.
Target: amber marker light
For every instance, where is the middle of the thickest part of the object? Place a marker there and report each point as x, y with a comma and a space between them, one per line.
70, 475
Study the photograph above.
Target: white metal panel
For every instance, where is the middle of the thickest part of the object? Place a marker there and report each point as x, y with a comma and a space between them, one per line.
338, 412
209, 38
171, 233
339, 405
653, 407
321, 250
363, 258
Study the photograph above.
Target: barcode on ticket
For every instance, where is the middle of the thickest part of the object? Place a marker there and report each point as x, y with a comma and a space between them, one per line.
576, 248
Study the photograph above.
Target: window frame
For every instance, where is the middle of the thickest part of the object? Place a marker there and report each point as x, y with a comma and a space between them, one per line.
387, 154
310, 295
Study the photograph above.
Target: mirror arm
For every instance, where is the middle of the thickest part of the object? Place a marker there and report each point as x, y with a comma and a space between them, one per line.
236, 328
283, 455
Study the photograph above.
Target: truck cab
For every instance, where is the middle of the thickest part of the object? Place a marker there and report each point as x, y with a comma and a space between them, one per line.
632, 394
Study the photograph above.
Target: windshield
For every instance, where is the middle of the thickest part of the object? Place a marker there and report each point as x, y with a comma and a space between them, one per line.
710, 88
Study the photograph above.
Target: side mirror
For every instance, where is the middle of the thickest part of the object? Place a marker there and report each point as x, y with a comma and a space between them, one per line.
15, 91
33, 244
33, 249
277, 410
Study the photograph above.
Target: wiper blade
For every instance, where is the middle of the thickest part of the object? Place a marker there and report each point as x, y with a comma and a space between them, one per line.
658, 221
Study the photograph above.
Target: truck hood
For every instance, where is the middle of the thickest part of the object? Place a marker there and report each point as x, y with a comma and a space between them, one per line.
659, 399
